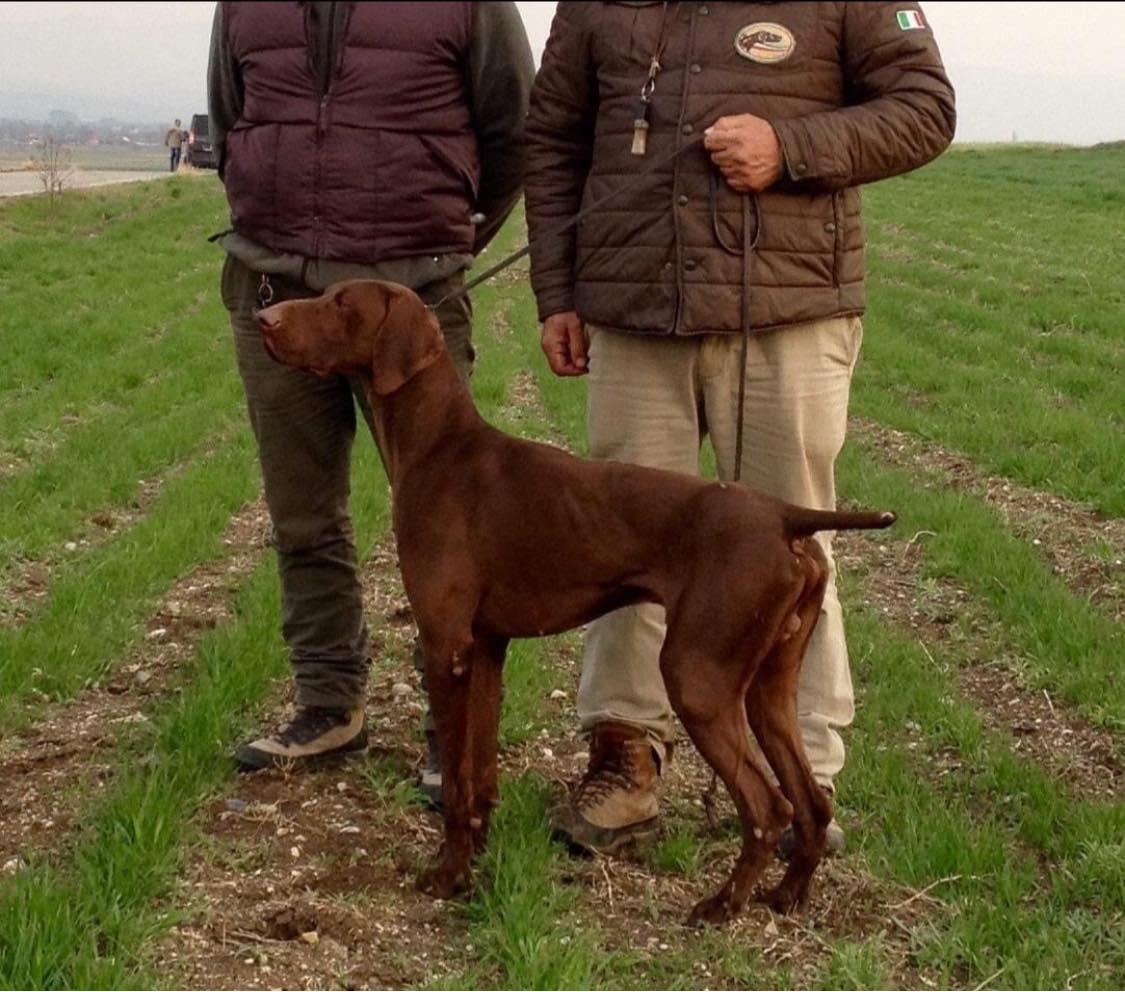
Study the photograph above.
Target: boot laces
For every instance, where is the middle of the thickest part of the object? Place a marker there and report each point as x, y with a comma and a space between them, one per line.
308, 724
611, 770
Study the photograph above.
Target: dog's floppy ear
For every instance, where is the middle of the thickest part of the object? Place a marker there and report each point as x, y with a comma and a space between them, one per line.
407, 341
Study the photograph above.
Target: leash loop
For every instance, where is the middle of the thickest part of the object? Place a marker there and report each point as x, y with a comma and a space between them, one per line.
265, 292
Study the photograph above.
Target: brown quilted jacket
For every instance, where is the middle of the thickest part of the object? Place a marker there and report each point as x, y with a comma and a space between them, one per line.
855, 91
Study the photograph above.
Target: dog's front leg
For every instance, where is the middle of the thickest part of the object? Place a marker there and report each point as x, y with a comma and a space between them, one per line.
448, 674
485, 694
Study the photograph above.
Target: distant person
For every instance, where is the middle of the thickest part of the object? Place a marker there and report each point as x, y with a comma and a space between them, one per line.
174, 142
394, 151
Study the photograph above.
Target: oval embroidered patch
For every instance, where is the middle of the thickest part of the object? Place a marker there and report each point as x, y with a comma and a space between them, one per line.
765, 42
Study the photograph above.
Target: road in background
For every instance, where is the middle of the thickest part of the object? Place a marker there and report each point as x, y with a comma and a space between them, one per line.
26, 183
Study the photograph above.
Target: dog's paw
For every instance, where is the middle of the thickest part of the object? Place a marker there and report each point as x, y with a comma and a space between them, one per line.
714, 910
784, 899
445, 881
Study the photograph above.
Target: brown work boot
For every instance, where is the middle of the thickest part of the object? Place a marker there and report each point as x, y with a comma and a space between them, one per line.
615, 804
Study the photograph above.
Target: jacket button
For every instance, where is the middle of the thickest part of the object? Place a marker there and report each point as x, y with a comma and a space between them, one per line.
682, 200
689, 265
802, 168
705, 10
687, 129
696, 68
830, 227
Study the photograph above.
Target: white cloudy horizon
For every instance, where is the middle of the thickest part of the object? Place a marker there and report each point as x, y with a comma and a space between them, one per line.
1033, 71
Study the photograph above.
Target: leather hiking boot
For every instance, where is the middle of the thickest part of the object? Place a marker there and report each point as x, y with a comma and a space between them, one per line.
615, 804
834, 841
314, 734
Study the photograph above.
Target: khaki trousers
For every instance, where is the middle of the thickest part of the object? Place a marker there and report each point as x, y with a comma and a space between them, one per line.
651, 401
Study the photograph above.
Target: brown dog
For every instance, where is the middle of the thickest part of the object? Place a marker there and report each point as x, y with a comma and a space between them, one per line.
534, 541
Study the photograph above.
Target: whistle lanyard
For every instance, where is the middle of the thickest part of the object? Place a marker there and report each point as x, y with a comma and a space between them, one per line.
641, 123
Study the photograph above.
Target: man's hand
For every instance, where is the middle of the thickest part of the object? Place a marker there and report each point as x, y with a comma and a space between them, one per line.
564, 343
746, 150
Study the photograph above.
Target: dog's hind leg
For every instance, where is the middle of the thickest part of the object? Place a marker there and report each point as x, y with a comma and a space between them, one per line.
707, 695
771, 706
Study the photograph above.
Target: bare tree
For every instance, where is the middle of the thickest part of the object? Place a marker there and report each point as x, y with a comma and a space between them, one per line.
54, 166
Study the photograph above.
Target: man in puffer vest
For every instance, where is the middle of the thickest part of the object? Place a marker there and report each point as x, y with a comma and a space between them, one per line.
781, 110
355, 140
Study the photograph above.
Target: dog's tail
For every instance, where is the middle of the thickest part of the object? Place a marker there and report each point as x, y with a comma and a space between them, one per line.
803, 522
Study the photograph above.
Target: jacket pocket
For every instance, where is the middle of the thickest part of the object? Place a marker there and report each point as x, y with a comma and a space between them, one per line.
451, 160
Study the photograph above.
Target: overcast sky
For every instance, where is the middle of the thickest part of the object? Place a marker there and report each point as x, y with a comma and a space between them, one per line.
1041, 71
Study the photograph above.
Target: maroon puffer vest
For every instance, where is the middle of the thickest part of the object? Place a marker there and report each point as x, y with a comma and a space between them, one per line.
384, 165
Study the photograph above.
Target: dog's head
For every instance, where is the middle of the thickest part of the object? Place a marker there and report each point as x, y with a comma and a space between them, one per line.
376, 330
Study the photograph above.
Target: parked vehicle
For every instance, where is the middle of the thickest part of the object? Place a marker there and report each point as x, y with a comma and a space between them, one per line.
199, 150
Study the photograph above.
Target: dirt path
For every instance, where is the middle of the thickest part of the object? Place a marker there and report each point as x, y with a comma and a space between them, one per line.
1085, 549
1088, 759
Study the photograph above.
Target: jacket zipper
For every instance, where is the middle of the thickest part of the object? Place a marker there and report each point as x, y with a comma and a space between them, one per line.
325, 73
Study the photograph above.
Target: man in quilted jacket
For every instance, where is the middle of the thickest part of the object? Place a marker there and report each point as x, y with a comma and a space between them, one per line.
763, 120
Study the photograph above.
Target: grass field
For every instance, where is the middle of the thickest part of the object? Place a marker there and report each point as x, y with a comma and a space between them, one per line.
983, 796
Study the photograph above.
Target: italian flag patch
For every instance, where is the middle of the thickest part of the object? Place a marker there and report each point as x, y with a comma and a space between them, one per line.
910, 20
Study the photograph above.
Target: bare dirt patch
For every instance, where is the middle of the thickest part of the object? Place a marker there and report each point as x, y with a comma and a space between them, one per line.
1085, 549
52, 767
307, 880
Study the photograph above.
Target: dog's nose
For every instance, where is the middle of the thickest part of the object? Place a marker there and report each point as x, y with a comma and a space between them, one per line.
269, 318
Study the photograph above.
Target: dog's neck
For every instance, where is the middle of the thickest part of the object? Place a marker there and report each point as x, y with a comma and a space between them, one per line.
430, 408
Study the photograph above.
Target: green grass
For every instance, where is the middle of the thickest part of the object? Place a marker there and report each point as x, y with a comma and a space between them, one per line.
678, 852
75, 637
111, 302
163, 349
123, 157
99, 466
992, 323
1036, 876
118, 371
85, 924
993, 331
385, 778
1064, 642
524, 922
